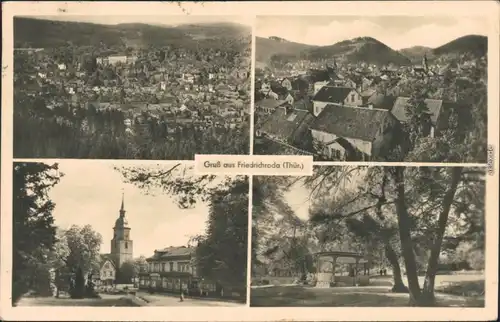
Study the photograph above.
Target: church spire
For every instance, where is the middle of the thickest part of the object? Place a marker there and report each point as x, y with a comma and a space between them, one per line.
424, 62
122, 208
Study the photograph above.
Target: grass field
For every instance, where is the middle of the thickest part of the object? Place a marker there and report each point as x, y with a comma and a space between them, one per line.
451, 290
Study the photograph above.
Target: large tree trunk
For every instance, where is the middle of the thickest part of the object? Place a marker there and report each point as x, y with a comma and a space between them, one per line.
399, 286
405, 237
432, 264
57, 283
390, 254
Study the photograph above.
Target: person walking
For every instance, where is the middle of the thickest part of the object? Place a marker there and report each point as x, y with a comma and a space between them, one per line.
182, 293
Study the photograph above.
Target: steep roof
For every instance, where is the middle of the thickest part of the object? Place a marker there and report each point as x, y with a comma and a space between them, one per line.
303, 104
270, 103
172, 252
107, 257
332, 94
399, 109
381, 101
287, 126
349, 122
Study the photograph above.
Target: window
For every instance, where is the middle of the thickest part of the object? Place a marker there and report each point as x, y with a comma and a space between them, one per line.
352, 97
164, 267
126, 245
171, 266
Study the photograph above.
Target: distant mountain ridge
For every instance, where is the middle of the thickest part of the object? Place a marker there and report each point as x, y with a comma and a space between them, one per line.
365, 49
416, 53
267, 47
472, 44
47, 33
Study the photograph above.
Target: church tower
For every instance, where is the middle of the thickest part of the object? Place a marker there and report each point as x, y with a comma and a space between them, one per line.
424, 63
121, 244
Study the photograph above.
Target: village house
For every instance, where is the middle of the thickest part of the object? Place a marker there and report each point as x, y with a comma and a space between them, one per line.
115, 59
319, 85
269, 105
107, 272
438, 110
173, 269
342, 96
354, 134
287, 125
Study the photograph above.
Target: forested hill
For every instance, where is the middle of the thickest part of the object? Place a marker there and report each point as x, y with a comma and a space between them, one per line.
365, 49
268, 47
416, 53
361, 49
45, 34
474, 44
470, 44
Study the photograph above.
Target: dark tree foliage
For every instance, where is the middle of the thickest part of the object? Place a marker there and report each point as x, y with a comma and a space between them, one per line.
33, 225
221, 254
77, 288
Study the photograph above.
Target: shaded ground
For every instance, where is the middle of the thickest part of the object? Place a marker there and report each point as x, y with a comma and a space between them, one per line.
105, 300
141, 299
173, 300
450, 291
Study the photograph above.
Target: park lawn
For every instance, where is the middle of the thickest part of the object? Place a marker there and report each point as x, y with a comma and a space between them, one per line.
451, 290
52, 301
352, 296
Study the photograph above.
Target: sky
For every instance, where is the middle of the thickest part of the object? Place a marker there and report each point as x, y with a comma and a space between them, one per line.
91, 193
397, 32
300, 198
153, 20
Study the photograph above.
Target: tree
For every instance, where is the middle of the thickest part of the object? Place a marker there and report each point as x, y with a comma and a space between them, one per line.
140, 265
77, 288
33, 228
268, 199
221, 254
426, 205
362, 215
418, 114
126, 272
58, 257
222, 250
84, 253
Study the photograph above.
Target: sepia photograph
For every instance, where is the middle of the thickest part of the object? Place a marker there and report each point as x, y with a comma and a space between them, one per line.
131, 87
362, 88
101, 234
249, 161
359, 236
